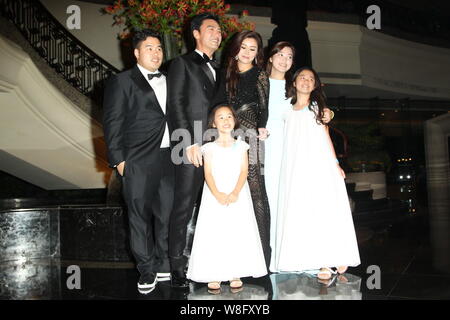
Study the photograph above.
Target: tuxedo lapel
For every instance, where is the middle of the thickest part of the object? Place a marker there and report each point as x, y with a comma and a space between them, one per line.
206, 70
142, 83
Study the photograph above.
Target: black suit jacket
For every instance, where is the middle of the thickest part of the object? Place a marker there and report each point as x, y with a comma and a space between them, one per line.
191, 88
133, 120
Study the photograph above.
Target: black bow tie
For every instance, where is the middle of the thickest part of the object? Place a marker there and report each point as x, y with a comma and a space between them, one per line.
153, 75
212, 62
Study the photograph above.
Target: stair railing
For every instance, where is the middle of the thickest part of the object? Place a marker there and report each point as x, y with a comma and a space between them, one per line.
67, 55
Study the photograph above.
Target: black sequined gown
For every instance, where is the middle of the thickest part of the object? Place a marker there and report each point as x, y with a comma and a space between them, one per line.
251, 106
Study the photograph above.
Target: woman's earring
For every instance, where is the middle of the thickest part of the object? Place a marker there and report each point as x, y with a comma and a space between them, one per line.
256, 60
236, 58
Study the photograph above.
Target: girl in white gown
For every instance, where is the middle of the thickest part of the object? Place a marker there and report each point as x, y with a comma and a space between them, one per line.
279, 65
314, 224
226, 242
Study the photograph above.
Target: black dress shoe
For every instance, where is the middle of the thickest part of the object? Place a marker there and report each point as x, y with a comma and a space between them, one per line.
178, 279
147, 283
162, 276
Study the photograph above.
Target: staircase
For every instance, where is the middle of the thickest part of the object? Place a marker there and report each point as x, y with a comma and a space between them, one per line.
50, 95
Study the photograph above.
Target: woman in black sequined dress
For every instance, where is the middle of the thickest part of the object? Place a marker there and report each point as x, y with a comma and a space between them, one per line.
244, 85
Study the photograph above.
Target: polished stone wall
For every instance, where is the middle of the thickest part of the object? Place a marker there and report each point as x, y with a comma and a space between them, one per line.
71, 233
29, 234
29, 245
94, 233
30, 279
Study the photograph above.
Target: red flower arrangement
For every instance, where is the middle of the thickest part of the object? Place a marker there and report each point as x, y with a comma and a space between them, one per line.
170, 16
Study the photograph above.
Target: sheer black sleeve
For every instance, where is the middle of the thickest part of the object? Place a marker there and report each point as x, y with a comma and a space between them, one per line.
262, 87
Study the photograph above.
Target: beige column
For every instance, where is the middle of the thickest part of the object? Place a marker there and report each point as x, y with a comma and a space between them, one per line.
437, 133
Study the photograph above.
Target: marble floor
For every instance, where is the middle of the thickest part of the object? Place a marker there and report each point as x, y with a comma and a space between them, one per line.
400, 261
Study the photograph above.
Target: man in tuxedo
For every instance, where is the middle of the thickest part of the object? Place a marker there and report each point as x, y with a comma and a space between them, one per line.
192, 86
138, 142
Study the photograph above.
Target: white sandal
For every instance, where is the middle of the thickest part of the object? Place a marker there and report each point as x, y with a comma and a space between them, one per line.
214, 287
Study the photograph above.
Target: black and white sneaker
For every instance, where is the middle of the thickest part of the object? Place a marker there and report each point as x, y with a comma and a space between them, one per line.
147, 283
163, 276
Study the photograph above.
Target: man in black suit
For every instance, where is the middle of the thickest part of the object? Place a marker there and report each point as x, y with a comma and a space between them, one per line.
192, 85
138, 141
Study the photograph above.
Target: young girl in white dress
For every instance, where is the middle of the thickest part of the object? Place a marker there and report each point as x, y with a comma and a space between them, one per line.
226, 244
278, 67
314, 224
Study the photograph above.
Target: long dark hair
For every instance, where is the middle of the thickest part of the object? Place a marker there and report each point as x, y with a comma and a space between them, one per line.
317, 95
232, 70
288, 75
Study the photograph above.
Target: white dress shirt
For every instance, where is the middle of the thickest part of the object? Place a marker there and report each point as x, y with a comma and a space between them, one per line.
209, 65
160, 87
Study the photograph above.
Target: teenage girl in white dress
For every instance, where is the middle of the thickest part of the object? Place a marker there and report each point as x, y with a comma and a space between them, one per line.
278, 68
314, 224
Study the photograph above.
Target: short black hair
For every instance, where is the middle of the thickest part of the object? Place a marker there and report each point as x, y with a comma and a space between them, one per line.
197, 20
142, 35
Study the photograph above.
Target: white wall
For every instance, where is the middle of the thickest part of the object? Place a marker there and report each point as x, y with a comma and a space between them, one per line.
359, 56
335, 50
45, 139
96, 30
404, 66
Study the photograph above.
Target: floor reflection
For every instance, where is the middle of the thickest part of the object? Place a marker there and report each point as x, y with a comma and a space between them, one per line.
46, 279
249, 292
308, 287
30, 279
411, 268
